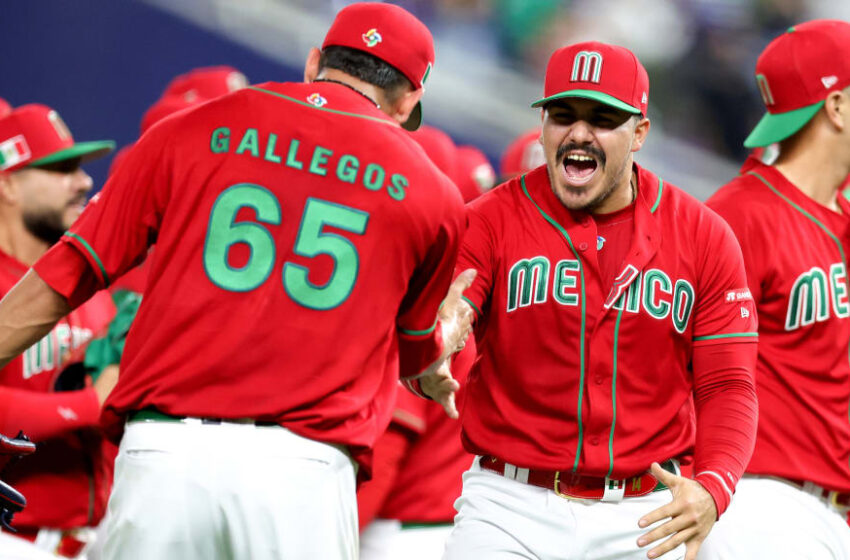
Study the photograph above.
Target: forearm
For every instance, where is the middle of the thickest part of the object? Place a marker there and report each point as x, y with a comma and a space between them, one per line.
27, 313
727, 416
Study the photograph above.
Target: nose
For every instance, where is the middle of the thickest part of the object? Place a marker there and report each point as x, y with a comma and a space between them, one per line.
580, 132
82, 181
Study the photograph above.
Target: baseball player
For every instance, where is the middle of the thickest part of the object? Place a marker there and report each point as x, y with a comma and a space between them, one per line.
475, 174
522, 155
795, 233
42, 192
303, 247
609, 350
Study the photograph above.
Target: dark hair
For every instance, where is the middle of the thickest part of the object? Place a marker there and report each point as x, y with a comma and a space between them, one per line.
366, 67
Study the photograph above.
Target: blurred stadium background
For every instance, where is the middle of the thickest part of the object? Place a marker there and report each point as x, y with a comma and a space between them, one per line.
102, 63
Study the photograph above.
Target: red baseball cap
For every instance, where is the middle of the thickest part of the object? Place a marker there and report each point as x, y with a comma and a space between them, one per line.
392, 34
33, 135
795, 73
194, 88
5, 108
475, 175
439, 147
524, 154
605, 73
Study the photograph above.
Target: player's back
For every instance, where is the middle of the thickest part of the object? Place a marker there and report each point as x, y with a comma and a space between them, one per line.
291, 220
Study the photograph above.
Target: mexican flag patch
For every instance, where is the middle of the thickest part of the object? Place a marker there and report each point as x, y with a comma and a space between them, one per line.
13, 151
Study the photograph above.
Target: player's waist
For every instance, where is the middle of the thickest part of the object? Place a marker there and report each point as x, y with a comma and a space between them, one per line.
570, 485
151, 414
836, 498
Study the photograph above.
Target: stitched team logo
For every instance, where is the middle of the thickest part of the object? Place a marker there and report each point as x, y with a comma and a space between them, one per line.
764, 89
316, 100
372, 38
587, 67
59, 125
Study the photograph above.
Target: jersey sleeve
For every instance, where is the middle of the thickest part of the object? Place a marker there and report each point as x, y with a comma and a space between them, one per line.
724, 308
420, 341
477, 252
43, 416
118, 225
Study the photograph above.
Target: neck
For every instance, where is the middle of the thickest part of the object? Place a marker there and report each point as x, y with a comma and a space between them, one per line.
373, 92
623, 194
17, 242
818, 173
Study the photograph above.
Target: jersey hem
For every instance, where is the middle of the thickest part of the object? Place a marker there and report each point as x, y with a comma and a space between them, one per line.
83, 244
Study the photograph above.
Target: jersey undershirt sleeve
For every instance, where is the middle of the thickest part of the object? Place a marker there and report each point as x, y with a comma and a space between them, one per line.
43, 416
726, 414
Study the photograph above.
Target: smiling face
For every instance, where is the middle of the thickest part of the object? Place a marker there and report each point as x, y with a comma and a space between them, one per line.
588, 148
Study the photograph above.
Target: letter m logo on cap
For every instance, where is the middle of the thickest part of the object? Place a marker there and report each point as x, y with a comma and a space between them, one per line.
587, 67
764, 88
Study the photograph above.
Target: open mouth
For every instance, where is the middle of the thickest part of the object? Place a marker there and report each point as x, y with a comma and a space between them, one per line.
580, 167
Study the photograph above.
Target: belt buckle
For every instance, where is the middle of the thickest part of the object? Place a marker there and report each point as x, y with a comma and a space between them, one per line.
557, 483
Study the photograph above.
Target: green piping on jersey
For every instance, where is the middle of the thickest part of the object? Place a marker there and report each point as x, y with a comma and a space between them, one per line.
88, 248
475, 307
817, 223
614, 392
310, 105
658, 199
419, 333
727, 335
583, 321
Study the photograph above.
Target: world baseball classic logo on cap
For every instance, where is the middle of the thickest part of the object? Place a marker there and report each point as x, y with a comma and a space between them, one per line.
13, 151
372, 37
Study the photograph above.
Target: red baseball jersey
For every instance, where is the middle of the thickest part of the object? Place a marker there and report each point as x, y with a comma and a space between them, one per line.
795, 252
75, 494
304, 243
574, 374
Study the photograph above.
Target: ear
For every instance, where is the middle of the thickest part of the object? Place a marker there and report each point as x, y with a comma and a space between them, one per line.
404, 105
837, 109
8, 188
311, 66
641, 132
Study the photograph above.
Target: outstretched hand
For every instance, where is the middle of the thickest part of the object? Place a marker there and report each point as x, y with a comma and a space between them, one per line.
456, 323
691, 514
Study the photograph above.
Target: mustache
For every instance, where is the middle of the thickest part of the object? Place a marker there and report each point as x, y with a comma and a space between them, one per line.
590, 149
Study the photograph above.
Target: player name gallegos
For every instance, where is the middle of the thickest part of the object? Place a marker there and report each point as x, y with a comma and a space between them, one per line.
320, 161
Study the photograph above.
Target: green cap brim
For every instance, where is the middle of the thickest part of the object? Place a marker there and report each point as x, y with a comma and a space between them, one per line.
775, 128
589, 94
86, 151
415, 119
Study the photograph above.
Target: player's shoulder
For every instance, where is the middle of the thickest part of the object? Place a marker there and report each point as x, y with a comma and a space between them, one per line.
505, 197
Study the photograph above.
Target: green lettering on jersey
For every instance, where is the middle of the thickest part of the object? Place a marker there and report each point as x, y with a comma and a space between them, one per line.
398, 183
566, 279
220, 140
683, 303
838, 282
249, 143
654, 281
807, 301
346, 169
319, 160
373, 177
527, 276
270, 155
292, 155
631, 297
